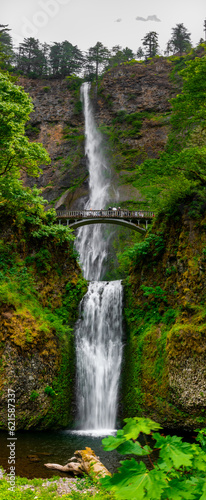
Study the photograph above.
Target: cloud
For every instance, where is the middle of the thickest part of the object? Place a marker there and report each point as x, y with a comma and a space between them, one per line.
149, 18
118, 20
140, 18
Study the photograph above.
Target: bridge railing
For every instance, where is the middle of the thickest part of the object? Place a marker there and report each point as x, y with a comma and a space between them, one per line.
118, 213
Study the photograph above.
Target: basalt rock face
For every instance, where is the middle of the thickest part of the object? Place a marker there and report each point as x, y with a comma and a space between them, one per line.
164, 376
138, 87
58, 124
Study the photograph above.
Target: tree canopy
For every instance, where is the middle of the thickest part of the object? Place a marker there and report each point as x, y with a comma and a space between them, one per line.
180, 40
150, 42
96, 59
16, 152
6, 46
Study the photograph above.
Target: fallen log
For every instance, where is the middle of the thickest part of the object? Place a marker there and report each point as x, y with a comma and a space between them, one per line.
75, 468
83, 462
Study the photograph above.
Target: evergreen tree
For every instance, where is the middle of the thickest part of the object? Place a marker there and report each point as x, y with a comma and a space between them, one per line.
119, 55
6, 47
128, 54
140, 53
72, 59
150, 41
31, 59
96, 59
180, 40
65, 59
55, 57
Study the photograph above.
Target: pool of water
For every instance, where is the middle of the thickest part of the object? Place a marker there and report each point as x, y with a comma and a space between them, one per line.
34, 449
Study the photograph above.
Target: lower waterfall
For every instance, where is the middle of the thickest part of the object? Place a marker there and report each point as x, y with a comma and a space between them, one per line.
99, 353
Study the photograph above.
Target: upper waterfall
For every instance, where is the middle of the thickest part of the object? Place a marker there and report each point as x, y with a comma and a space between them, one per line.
90, 243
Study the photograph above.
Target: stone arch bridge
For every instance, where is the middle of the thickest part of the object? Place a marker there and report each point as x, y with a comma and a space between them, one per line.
136, 220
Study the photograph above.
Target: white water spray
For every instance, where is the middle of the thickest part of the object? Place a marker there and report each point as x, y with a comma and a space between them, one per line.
99, 332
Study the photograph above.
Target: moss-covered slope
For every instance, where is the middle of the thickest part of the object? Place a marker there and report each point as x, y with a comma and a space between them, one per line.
40, 289
164, 375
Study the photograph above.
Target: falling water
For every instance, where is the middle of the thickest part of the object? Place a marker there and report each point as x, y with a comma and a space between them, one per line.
99, 330
92, 246
99, 350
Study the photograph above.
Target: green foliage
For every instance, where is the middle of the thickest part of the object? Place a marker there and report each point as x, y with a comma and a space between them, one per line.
169, 316
176, 472
49, 391
6, 47
34, 395
120, 56
46, 89
180, 40
74, 82
41, 260
35, 490
96, 60
78, 107
16, 152
189, 106
153, 243
150, 41
155, 294
60, 234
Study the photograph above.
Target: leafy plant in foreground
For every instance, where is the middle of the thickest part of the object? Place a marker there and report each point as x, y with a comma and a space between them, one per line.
177, 473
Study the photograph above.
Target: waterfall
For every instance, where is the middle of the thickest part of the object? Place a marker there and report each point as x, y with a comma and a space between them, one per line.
91, 245
99, 329
99, 352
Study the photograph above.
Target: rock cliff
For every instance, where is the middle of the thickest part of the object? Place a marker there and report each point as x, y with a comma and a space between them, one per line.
131, 108
57, 122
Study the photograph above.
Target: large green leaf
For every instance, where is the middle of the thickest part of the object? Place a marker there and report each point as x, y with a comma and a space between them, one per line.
112, 442
199, 458
173, 451
134, 482
134, 448
136, 425
179, 490
203, 497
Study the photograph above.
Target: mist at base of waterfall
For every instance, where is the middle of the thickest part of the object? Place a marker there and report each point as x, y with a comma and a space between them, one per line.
94, 432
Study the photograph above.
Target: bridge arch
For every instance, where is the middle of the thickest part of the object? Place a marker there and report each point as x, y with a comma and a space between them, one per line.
119, 222
126, 218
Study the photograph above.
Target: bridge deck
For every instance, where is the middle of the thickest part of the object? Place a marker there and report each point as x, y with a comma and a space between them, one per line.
124, 214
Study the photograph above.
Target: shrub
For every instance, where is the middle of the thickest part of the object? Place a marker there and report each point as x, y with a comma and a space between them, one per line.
174, 469
49, 391
34, 395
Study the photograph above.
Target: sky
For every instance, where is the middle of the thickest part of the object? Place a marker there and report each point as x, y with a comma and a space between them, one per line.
112, 22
